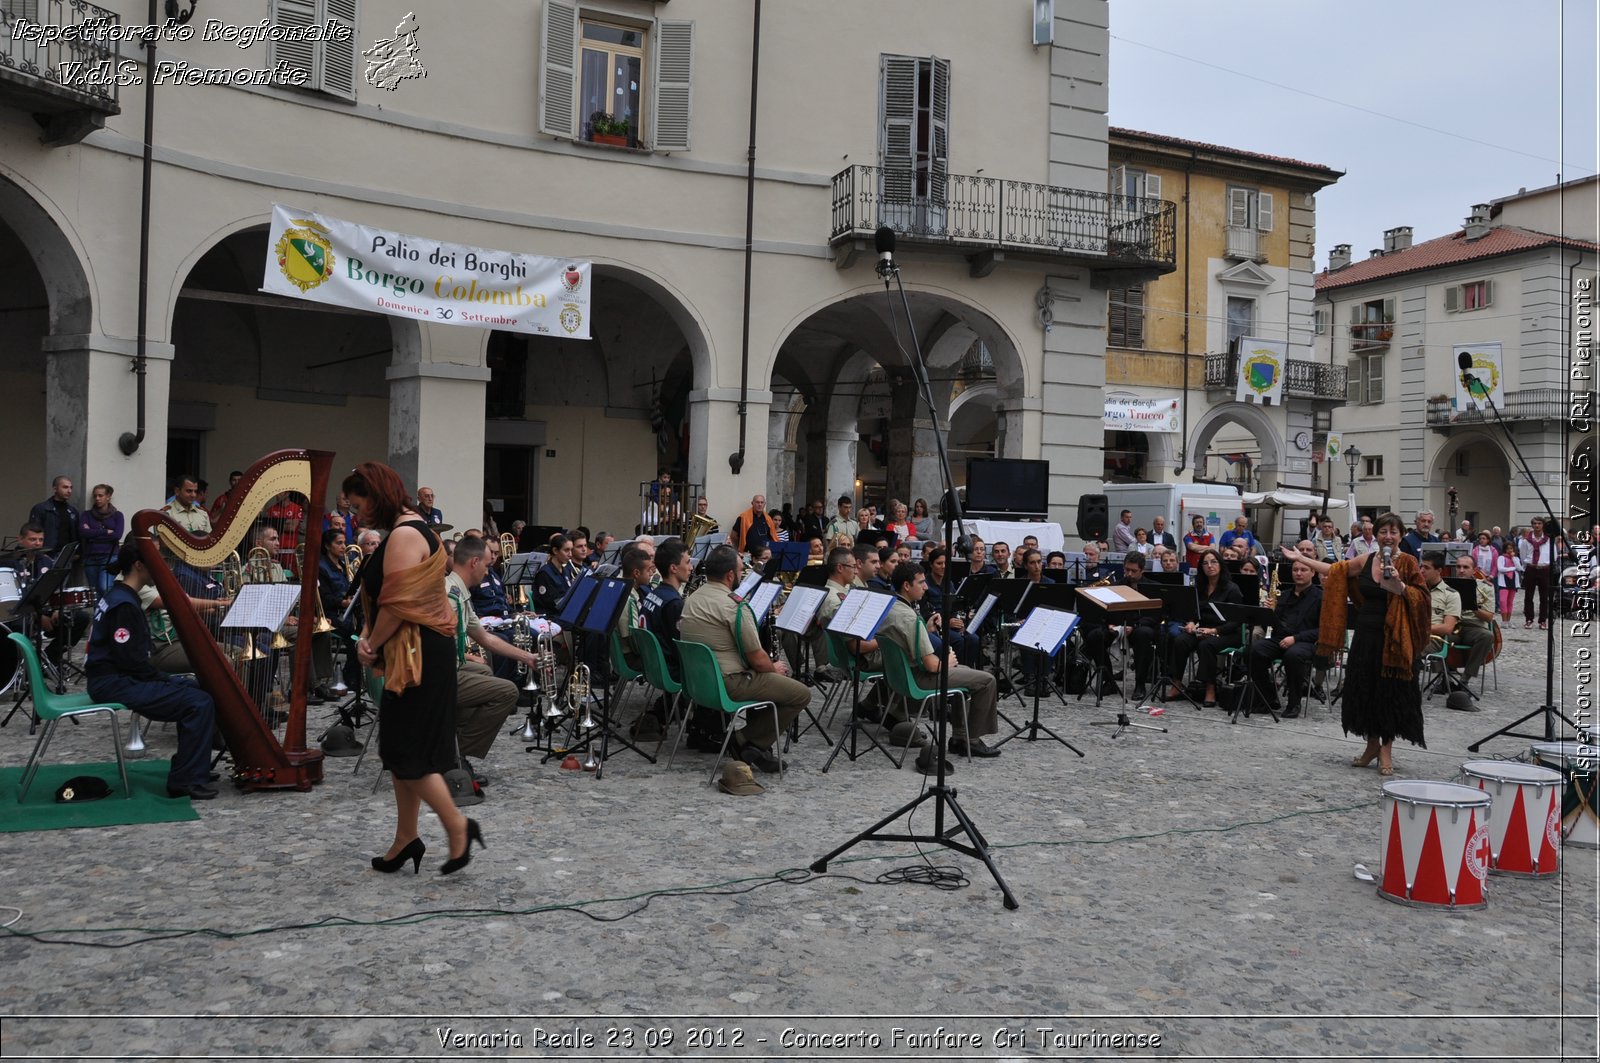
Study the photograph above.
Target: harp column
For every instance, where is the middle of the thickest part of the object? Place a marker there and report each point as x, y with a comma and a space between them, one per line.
90, 400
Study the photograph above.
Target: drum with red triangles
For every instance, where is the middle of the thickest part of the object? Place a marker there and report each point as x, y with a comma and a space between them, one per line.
1435, 844
1525, 835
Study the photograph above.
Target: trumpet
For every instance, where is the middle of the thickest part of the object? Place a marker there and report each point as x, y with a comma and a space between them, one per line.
352, 561
257, 566
578, 697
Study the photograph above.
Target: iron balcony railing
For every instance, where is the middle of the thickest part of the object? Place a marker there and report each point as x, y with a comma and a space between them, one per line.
67, 49
1530, 404
987, 213
1301, 379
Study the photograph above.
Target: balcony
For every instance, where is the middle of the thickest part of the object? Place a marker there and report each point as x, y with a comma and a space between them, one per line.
1302, 379
1531, 404
1244, 244
69, 81
987, 219
1372, 336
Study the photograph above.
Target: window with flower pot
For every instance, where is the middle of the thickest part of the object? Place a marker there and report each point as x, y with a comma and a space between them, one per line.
607, 79
1473, 296
1371, 324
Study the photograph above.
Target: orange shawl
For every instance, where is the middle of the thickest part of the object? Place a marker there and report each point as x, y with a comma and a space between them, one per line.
1405, 624
417, 596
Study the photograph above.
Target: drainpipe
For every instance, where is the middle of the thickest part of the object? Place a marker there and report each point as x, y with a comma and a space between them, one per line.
736, 459
1183, 452
129, 442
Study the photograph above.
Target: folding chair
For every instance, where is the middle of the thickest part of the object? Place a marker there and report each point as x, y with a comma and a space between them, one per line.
702, 681
656, 673
902, 680
52, 708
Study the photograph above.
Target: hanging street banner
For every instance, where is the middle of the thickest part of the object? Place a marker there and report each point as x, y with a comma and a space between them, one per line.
1128, 413
1262, 365
1489, 377
328, 260
1330, 450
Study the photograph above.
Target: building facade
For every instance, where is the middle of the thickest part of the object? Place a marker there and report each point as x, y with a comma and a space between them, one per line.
1246, 231
1506, 291
726, 192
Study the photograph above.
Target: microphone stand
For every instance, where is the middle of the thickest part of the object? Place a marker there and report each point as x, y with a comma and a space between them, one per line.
942, 795
1548, 710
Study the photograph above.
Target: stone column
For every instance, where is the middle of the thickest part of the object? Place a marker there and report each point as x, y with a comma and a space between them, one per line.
91, 399
841, 466
436, 434
714, 435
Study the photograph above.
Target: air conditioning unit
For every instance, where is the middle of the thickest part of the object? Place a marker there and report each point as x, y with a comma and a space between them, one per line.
1243, 243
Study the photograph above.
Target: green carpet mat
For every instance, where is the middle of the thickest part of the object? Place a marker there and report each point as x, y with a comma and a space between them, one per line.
149, 804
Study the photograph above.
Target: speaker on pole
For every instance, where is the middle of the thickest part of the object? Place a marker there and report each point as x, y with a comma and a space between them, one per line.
1093, 514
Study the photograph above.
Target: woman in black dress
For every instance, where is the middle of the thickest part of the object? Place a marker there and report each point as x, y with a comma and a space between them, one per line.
409, 637
1381, 698
1208, 636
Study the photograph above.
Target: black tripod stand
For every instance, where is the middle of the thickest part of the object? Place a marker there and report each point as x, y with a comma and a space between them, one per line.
942, 796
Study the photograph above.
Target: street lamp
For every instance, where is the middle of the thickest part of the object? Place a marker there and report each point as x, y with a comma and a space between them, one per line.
1352, 455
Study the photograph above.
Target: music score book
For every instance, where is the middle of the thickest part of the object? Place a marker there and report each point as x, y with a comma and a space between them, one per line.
763, 598
860, 614
1045, 630
262, 605
747, 586
982, 614
798, 611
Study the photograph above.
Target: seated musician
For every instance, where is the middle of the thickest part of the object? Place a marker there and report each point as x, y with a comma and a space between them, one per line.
1295, 621
64, 627
1205, 637
1445, 601
637, 567
1001, 553
186, 509
869, 568
702, 508
166, 652
905, 629
958, 638
1093, 567
1028, 564
288, 516
714, 617
119, 670
484, 701
1141, 633
1055, 566
267, 538
489, 599
1475, 633
843, 571
333, 586
554, 579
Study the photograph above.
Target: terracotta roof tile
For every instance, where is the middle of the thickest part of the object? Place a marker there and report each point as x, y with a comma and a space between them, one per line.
1445, 251
1202, 145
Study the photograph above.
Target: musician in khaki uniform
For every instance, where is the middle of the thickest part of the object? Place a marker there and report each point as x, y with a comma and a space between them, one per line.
842, 572
714, 617
483, 700
905, 629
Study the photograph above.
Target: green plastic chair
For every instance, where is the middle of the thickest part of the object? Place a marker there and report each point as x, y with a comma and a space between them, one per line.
1437, 662
841, 657
659, 676
52, 708
702, 681
625, 672
902, 679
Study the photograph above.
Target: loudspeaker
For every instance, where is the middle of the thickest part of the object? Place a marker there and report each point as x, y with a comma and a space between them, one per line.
1093, 511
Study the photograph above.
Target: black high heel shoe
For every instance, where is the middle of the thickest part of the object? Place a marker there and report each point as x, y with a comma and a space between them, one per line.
456, 863
413, 852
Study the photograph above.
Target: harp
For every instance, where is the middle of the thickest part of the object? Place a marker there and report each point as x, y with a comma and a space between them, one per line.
262, 760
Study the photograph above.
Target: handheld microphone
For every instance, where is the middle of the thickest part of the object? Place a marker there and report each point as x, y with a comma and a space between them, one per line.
1388, 559
883, 240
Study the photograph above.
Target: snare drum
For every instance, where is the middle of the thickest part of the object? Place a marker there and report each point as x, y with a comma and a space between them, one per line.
10, 589
1580, 764
73, 597
1435, 844
1524, 836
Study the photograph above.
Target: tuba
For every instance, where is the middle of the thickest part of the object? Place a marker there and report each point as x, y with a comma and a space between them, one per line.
352, 561
699, 524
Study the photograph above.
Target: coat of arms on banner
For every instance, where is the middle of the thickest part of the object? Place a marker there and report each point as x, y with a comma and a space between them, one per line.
305, 255
1261, 369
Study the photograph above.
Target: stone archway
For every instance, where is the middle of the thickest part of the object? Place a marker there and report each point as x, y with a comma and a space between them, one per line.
1254, 421
1477, 466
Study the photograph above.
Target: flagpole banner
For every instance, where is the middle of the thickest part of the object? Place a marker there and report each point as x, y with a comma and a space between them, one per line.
1262, 364
328, 260
1488, 372
1130, 413
1333, 448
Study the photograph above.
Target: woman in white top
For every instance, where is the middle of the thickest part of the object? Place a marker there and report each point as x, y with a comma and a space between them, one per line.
1484, 555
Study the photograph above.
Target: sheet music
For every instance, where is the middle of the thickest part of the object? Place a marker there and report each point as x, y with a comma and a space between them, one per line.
798, 611
262, 605
861, 613
747, 586
763, 598
1045, 629
983, 611
1103, 595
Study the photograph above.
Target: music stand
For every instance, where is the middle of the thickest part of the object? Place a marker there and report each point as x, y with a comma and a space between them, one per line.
1108, 602
858, 618
599, 619
1179, 605
1249, 616
1044, 632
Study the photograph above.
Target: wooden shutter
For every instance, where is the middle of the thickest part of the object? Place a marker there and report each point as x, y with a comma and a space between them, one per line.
1264, 212
674, 69
1117, 317
1152, 186
1388, 311
339, 57
295, 56
939, 121
1452, 299
1239, 208
1352, 380
1488, 293
898, 110
1134, 296
1116, 180
558, 70
1374, 374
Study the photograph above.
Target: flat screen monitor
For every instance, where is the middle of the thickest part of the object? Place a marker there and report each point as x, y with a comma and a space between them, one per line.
1007, 488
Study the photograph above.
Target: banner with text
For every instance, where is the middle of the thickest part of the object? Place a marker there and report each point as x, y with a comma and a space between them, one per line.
1128, 413
1487, 379
328, 260
1262, 364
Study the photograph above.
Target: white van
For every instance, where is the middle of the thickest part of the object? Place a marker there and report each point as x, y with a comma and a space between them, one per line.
1218, 504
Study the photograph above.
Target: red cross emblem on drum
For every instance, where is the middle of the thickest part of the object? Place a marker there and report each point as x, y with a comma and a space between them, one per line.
121, 635
1526, 798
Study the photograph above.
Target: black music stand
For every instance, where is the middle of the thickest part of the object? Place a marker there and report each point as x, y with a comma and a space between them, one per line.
1179, 605
1045, 595
858, 723
568, 612
599, 619
1248, 616
1031, 637
1008, 595
1106, 614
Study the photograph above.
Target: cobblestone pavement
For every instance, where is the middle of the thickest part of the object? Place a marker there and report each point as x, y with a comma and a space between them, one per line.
1195, 887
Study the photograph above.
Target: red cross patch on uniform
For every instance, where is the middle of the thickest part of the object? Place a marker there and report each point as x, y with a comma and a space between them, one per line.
121, 635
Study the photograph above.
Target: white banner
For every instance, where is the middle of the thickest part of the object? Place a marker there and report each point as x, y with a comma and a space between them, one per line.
1488, 376
327, 260
1331, 449
1133, 414
1262, 365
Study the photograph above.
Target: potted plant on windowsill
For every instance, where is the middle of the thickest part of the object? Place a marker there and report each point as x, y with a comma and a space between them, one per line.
607, 129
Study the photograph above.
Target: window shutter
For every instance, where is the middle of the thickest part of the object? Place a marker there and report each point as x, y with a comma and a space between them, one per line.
1319, 322
898, 107
1488, 293
1352, 380
1356, 310
296, 56
1117, 317
1239, 207
1152, 186
339, 57
1452, 299
558, 70
1374, 371
674, 68
1115, 180
1264, 212
939, 119
1135, 299
1388, 311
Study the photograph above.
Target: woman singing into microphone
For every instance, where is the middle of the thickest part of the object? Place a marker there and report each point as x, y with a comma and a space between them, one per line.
1381, 697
